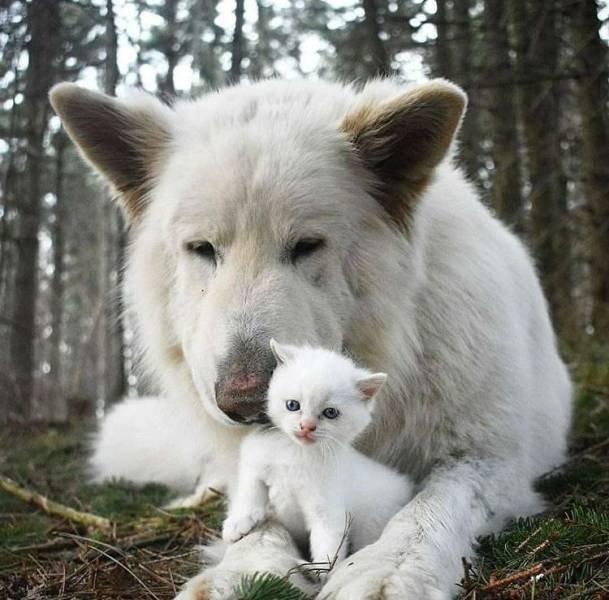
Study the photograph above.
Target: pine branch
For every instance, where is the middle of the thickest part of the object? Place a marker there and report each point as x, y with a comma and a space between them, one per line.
262, 586
53, 508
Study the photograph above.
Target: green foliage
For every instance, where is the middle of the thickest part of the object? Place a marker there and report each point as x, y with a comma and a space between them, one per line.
567, 547
27, 529
266, 586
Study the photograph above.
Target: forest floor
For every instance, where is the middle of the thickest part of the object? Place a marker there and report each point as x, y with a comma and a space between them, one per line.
148, 552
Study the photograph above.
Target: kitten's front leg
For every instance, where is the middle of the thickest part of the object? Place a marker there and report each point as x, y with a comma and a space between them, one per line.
248, 508
328, 520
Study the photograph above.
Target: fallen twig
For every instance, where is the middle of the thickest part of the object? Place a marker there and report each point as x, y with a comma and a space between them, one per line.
51, 507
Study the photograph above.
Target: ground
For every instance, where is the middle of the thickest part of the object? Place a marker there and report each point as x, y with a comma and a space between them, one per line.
149, 552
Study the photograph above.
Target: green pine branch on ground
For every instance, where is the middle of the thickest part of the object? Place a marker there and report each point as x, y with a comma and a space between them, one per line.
264, 586
149, 552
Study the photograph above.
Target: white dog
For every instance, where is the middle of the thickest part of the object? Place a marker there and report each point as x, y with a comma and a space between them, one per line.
316, 213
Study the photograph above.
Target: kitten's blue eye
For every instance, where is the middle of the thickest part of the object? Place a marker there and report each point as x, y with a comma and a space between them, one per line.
292, 405
330, 413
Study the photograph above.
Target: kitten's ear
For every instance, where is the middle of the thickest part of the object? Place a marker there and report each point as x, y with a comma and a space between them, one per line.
370, 385
281, 352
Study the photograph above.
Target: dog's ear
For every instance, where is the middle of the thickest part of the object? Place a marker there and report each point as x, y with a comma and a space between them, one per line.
125, 141
401, 141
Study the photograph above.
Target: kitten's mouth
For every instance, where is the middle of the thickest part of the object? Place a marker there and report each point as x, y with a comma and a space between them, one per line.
305, 437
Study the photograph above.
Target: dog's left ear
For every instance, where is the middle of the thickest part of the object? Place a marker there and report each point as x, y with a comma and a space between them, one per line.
126, 142
402, 140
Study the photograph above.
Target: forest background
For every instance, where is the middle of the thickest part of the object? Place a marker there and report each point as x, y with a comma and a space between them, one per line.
535, 142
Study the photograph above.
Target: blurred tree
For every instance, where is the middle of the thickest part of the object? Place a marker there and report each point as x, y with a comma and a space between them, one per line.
537, 62
59, 410
536, 138
44, 26
380, 58
238, 44
592, 88
501, 97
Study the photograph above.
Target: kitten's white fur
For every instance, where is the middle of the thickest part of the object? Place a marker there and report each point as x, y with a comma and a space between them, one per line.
316, 486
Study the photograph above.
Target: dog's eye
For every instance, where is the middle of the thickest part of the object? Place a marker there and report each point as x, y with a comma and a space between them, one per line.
305, 247
203, 249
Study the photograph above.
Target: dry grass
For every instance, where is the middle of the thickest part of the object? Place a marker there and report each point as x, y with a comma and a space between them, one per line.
149, 552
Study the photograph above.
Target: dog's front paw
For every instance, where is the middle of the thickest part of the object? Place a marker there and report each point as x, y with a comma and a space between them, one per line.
268, 549
235, 527
370, 575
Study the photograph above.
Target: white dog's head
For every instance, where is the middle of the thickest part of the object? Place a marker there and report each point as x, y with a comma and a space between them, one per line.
262, 211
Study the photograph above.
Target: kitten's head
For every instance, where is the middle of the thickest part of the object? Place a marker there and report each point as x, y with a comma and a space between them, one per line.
316, 395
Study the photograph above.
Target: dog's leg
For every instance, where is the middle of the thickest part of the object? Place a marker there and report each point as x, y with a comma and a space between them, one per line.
419, 554
267, 549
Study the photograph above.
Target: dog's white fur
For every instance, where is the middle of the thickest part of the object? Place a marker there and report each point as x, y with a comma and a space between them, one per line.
477, 405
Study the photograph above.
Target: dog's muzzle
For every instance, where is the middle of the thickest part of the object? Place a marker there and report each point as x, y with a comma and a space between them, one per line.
243, 403
243, 380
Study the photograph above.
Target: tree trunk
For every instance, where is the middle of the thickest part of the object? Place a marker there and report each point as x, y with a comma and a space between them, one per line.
112, 364
537, 62
442, 56
237, 46
263, 64
170, 50
45, 28
462, 42
59, 410
507, 189
593, 98
380, 57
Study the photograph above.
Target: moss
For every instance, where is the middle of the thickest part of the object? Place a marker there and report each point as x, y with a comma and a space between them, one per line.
26, 529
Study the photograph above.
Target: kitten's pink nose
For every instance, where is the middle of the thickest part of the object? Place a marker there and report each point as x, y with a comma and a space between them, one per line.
308, 426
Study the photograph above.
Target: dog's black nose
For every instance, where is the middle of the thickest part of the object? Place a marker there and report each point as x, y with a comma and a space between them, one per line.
243, 379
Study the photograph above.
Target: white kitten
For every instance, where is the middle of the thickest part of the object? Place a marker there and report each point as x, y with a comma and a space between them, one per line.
304, 471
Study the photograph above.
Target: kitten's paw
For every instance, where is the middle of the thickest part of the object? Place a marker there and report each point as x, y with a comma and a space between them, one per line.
235, 527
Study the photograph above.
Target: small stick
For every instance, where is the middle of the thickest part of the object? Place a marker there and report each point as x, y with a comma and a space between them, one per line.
516, 577
51, 507
527, 540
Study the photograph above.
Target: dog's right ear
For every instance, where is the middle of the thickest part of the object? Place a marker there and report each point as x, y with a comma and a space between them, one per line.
125, 141
402, 140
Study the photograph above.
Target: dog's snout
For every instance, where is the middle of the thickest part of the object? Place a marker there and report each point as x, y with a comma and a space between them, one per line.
245, 383
243, 379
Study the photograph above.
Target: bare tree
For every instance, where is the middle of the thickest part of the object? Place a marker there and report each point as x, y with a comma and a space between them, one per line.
169, 45
238, 42
380, 56
592, 88
111, 367
537, 63
59, 410
506, 185
45, 31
